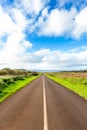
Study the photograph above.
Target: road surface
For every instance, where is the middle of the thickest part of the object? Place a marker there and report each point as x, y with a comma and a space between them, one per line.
43, 105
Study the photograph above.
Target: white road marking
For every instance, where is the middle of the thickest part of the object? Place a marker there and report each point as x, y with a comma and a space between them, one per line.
45, 107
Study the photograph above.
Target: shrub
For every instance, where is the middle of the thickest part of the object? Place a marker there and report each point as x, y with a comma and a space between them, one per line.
8, 81
2, 85
34, 73
9, 71
18, 78
3, 72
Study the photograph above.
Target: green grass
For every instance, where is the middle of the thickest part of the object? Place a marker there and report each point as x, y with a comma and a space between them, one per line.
76, 84
14, 87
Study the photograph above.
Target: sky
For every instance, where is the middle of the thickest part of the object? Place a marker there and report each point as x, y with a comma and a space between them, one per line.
43, 34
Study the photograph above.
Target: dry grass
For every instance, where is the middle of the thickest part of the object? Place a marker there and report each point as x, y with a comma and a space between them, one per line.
73, 74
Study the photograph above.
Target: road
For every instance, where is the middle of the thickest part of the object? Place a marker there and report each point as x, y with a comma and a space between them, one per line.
43, 105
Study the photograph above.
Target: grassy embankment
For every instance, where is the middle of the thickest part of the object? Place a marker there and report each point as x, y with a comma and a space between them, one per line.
9, 85
75, 81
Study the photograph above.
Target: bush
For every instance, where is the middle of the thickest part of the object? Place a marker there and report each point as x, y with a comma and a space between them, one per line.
18, 78
8, 81
3, 72
2, 85
34, 73
9, 71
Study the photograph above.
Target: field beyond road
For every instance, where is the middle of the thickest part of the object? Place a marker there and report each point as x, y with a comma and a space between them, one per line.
75, 81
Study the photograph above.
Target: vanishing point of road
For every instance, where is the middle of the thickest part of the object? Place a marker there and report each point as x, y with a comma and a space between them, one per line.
43, 105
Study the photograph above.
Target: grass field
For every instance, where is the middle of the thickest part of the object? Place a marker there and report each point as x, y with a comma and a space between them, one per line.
75, 81
9, 85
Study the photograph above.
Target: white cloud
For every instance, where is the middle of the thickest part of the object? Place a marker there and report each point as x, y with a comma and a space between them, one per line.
19, 19
27, 44
16, 43
61, 3
13, 43
56, 60
6, 23
80, 23
14, 49
74, 3
69, 23
11, 22
59, 60
32, 7
57, 23
44, 58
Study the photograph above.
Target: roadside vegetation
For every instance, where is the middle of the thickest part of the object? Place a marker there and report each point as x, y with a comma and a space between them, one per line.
75, 81
13, 80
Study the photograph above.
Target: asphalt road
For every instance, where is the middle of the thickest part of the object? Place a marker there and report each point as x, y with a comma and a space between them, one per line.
43, 105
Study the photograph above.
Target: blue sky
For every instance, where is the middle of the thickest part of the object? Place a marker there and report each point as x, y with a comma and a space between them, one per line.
43, 34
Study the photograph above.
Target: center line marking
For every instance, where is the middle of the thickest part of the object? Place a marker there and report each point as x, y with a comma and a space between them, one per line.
45, 107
